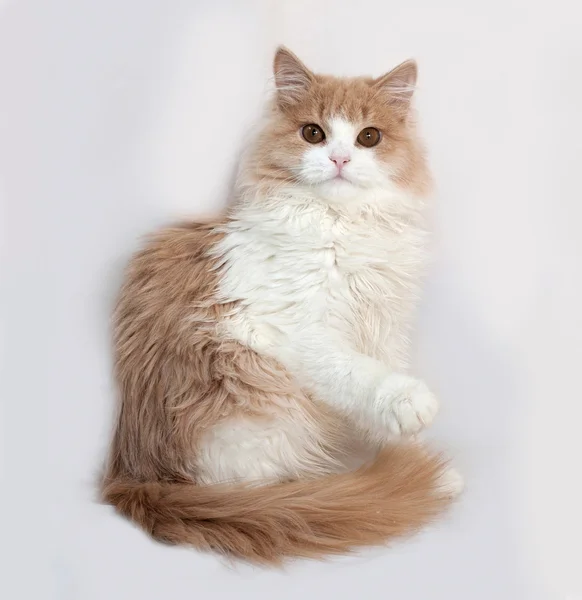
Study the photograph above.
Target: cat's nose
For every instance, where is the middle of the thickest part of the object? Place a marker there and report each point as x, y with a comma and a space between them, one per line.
340, 161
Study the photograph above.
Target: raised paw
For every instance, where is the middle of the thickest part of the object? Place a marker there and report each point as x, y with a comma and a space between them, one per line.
405, 404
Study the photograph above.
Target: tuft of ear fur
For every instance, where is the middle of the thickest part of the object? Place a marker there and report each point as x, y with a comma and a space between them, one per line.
292, 77
398, 85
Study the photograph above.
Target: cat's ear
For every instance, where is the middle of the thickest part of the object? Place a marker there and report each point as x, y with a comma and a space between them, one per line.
398, 85
292, 77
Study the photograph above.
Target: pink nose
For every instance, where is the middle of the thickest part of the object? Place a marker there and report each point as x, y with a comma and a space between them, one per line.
340, 161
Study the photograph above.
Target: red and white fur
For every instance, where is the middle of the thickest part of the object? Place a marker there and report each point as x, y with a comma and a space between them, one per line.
302, 298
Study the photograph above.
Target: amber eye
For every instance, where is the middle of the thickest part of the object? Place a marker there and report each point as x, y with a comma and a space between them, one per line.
313, 134
369, 137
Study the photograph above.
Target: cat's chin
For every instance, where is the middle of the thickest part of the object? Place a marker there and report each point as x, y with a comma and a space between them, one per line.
339, 189
342, 191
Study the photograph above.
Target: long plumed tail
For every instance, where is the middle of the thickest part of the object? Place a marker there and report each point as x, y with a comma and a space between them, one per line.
402, 490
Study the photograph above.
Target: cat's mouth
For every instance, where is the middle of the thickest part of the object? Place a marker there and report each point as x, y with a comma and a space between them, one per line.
340, 177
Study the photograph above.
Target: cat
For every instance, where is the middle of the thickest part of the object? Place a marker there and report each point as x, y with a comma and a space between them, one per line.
252, 351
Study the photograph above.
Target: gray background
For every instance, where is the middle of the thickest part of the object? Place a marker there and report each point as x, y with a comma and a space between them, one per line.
118, 116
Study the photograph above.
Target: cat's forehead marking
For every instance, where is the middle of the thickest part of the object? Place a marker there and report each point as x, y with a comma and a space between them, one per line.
344, 98
342, 129
330, 97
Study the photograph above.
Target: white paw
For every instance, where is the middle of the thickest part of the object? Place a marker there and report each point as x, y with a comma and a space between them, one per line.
406, 404
451, 483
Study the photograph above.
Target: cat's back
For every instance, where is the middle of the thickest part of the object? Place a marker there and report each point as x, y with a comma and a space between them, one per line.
169, 280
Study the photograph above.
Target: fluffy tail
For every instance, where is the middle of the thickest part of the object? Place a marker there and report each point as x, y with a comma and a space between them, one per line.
402, 490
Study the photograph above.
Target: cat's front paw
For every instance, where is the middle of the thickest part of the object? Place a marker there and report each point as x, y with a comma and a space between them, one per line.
405, 404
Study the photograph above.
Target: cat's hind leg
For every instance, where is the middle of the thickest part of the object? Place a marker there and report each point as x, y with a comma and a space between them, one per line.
263, 449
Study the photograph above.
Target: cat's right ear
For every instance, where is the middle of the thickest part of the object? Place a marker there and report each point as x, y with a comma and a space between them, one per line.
292, 77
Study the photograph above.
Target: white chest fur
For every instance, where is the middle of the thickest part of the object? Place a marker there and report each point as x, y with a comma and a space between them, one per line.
293, 265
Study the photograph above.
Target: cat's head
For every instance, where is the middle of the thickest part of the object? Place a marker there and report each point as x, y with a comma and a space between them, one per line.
342, 138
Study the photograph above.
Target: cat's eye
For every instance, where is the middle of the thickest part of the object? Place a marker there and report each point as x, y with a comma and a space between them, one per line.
313, 133
369, 137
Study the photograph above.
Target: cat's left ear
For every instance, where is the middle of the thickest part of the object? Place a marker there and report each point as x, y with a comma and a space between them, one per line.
398, 85
292, 77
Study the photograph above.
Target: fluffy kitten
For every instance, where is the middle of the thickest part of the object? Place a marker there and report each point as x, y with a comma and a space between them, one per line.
253, 349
